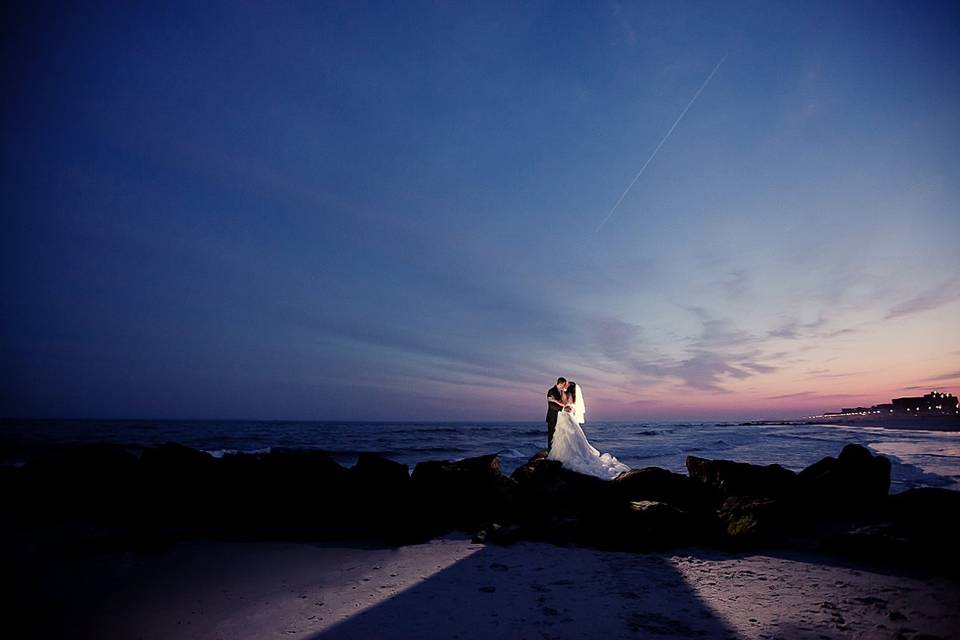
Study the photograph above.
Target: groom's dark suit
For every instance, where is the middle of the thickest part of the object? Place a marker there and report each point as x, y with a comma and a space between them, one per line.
552, 410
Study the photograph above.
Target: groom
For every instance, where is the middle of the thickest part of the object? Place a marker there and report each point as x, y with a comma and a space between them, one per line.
555, 405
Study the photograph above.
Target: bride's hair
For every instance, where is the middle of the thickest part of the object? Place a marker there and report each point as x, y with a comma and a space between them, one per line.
572, 390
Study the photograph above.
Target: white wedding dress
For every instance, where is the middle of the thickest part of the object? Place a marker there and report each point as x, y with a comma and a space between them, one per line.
571, 448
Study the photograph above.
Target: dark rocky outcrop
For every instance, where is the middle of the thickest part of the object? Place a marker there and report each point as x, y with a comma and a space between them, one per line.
839, 505
741, 479
748, 520
652, 525
916, 528
855, 481
654, 483
771, 505
547, 487
375, 473
468, 494
561, 505
94, 480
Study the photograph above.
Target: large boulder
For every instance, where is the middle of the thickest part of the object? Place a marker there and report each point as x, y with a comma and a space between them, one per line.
176, 460
375, 472
928, 508
499, 534
384, 500
564, 506
644, 525
284, 493
242, 498
547, 488
312, 469
748, 521
178, 488
97, 482
919, 530
742, 479
467, 494
310, 494
854, 482
877, 542
661, 485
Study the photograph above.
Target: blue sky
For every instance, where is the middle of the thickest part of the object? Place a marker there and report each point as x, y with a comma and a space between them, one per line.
369, 211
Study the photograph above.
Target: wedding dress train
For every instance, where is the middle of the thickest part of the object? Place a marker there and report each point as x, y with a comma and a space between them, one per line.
571, 448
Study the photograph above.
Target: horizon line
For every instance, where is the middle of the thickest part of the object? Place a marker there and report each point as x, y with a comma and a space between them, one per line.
379, 421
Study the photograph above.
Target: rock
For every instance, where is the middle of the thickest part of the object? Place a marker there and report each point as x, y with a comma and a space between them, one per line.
924, 509
308, 494
546, 488
82, 463
838, 504
176, 459
913, 532
464, 494
563, 506
285, 494
923, 517
853, 482
875, 542
240, 483
539, 455
660, 485
377, 472
742, 479
649, 525
384, 500
92, 482
748, 520
498, 534
179, 489
312, 467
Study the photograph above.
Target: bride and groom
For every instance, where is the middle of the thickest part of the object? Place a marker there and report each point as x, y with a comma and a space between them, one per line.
566, 442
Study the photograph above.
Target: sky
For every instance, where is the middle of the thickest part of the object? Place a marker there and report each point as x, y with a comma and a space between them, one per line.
390, 211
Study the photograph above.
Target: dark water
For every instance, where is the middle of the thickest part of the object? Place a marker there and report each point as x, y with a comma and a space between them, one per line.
920, 458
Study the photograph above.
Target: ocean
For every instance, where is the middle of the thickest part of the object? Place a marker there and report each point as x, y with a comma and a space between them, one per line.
919, 458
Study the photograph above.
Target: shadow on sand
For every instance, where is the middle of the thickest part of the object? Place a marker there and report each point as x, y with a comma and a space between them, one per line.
539, 591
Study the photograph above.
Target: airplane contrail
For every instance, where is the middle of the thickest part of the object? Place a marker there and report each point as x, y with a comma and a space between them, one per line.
662, 140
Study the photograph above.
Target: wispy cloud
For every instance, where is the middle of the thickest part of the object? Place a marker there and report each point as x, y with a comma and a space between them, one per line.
788, 396
707, 370
720, 352
928, 299
826, 373
813, 395
953, 375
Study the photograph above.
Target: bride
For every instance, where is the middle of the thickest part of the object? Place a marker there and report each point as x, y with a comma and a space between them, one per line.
570, 445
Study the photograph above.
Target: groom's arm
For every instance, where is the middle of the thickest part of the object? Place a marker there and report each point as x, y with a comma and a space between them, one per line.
552, 399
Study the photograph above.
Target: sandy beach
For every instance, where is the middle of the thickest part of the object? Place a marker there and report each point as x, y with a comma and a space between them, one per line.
453, 588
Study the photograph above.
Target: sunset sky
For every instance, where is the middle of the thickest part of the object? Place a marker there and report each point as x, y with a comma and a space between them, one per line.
389, 211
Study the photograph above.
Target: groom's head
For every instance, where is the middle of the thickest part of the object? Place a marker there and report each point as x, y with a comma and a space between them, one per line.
561, 383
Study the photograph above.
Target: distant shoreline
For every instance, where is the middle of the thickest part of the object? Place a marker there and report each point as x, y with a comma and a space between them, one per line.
931, 423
